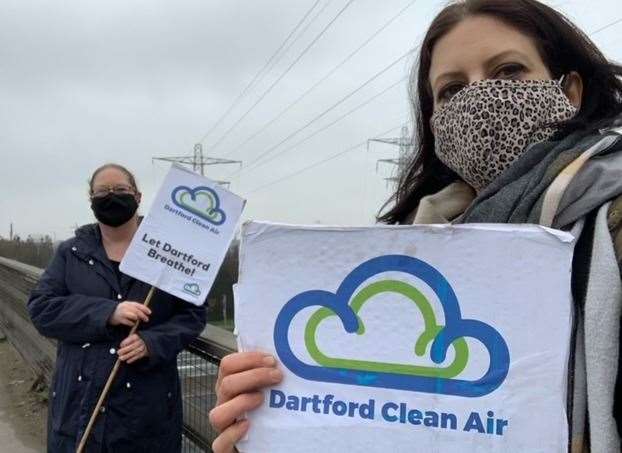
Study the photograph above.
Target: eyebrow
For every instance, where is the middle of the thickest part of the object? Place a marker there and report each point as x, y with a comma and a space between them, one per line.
107, 186
488, 63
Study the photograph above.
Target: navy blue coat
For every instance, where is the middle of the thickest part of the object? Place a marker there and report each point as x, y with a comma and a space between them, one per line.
72, 303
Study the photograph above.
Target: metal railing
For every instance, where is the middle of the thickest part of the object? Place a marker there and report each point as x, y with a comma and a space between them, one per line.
198, 364
198, 370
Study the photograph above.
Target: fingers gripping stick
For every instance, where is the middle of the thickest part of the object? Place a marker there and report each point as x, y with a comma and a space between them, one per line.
109, 382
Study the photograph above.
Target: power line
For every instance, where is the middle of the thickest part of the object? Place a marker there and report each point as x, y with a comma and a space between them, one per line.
282, 76
259, 73
269, 150
615, 22
300, 34
334, 156
326, 77
323, 161
331, 108
309, 137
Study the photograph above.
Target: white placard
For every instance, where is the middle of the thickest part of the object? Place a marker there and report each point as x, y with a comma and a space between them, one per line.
408, 339
182, 241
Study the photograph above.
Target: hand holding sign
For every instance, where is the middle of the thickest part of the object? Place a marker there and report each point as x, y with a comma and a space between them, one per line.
241, 377
133, 348
128, 313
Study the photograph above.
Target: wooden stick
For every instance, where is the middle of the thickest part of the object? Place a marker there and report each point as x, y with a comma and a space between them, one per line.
109, 382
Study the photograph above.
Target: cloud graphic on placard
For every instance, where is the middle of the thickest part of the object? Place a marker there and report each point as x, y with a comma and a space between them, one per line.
432, 328
192, 288
201, 201
345, 304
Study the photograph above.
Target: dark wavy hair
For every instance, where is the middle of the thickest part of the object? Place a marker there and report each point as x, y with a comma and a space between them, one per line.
562, 46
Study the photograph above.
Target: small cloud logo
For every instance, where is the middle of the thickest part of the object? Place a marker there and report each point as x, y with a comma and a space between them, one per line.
346, 304
193, 289
201, 201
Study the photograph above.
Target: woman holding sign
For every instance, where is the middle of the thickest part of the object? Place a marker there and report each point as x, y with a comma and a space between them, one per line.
86, 304
518, 120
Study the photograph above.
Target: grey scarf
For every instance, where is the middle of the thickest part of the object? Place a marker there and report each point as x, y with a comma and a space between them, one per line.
519, 195
557, 184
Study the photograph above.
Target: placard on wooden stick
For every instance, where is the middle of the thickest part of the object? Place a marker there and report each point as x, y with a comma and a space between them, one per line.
181, 243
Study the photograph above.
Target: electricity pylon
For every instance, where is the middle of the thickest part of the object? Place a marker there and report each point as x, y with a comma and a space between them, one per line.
199, 161
401, 161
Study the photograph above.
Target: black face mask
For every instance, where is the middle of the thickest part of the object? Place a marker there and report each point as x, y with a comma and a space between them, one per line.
114, 210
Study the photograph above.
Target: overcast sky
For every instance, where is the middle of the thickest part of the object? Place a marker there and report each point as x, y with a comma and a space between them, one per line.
87, 82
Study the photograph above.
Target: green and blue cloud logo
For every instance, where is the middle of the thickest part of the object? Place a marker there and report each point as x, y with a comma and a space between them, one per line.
349, 300
201, 201
192, 289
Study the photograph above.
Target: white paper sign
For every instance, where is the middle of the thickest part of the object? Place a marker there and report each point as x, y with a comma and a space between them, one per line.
408, 339
182, 241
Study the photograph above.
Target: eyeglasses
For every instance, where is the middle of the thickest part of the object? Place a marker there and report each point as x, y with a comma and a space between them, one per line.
118, 189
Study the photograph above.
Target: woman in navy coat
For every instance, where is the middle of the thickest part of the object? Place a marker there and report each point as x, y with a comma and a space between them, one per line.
85, 302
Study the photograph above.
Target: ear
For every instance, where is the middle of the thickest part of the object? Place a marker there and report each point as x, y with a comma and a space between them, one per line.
139, 197
573, 87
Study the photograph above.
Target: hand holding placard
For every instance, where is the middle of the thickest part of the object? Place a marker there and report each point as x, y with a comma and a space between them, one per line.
128, 313
244, 374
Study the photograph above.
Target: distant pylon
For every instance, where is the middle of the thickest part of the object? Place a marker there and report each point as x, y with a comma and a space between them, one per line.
405, 149
200, 161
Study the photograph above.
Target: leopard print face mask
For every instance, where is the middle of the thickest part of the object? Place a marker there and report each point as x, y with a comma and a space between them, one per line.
489, 124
